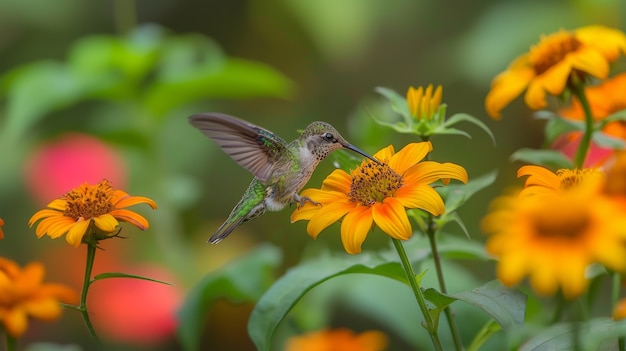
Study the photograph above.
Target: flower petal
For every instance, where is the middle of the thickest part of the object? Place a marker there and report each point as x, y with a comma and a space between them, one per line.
354, 228
134, 200
409, 156
427, 172
58, 204
508, 85
421, 196
539, 176
45, 213
131, 217
588, 59
327, 215
75, 235
391, 217
45, 309
385, 154
15, 322
107, 222
60, 226
338, 181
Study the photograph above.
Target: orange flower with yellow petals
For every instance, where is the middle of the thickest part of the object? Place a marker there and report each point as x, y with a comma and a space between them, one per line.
94, 209
23, 294
338, 340
554, 237
549, 66
378, 194
424, 103
541, 180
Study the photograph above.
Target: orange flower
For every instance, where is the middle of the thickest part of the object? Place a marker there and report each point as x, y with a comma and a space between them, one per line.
423, 104
604, 100
338, 340
549, 65
541, 180
99, 207
23, 294
379, 194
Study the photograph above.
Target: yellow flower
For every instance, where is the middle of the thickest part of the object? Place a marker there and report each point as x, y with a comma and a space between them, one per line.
542, 180
338, 340
424, 104
379, 194
23, 294
552, 238
549, 65
100, 206
604, 100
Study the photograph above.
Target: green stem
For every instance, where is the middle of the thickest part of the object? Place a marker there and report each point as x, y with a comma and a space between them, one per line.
125, 15
484, 334
11, 342
454, 330
579, 91
419, 296
91, 255
615, 293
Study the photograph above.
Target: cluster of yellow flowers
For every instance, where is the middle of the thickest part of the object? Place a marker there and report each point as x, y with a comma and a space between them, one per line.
562, 222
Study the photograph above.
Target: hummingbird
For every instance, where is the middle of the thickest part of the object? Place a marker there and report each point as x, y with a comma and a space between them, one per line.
280, 169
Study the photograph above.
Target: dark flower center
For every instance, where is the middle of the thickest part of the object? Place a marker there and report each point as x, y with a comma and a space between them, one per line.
552, 50
89, 201
373, 183
566, 226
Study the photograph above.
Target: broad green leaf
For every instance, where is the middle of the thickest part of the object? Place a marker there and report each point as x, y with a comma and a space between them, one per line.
398, 104
557, 126
244, 279
276, 303
464, 117
607, 141
236, 78
614, 117
438, 302
506, 306
548, 158
109, 275
596, 334
456, 194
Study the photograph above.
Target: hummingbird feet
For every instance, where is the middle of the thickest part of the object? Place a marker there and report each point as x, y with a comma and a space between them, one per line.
301, 200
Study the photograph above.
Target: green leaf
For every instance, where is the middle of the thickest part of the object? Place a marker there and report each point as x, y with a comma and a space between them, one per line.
236, 78
506, 306
438, 302
291, 287
398, 104
109, 275
596, 334
455, 194
614, 117
346, 160
608, 141
557, 126
464, 117
548, 158
241, 280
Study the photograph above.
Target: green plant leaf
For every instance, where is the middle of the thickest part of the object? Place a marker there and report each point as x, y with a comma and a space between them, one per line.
548, 158
596, 334
457, 194
506, 306
557, 126
276, 303
464, 117
398, 104
244, 279
109, 275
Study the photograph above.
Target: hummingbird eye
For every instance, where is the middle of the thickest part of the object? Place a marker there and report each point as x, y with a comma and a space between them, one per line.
329, 137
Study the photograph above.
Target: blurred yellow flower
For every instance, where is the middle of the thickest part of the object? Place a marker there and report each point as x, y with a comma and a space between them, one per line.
338, 340
100, 206
541, 180
549, 65
619, 311
552, 238
23, 294
423, 104
379, 194
604, 99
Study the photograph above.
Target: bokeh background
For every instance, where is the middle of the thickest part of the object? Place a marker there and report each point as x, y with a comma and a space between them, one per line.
102, 89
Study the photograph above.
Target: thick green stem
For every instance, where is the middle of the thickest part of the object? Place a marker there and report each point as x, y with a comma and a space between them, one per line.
419, 296
454, 330
91, 255
579, 91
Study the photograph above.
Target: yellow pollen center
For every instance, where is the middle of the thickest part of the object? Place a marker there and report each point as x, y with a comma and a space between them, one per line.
89, 201
373, 183
552, 50
572, 177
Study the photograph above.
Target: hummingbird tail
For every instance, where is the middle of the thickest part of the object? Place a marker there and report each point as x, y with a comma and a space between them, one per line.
225, 229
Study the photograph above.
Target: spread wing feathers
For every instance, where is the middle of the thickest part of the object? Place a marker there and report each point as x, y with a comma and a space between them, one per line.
254, 148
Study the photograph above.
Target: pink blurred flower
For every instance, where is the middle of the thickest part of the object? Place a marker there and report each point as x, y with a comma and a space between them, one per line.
568, 145
73, 159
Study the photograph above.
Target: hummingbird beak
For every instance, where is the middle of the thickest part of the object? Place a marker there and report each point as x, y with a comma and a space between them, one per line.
359, 151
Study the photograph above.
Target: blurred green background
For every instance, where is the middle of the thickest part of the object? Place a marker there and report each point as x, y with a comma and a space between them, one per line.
126, 74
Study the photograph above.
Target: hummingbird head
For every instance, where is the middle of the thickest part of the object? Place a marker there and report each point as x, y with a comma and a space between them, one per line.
321, 139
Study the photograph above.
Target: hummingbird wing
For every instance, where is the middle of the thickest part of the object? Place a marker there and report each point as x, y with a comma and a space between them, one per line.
252, 147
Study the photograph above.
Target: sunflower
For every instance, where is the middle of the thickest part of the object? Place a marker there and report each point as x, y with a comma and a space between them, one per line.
378, 193
98, 206
423, 103
554, 237
549, 65
338, 339
23, 294
541, 180
604, 100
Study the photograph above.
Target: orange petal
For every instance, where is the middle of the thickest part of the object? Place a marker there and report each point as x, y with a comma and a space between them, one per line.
328, 215
588, 59
131, 217
409, 156
354, 228
610, 42
46, 213
58, 204
421, 196
338, 180
508, 85
59, 292
391, 217
385, 154
539, 176
75, 235
427, 172
60, 226
15, 322
134, 200
31, 277
45, 309
106, 222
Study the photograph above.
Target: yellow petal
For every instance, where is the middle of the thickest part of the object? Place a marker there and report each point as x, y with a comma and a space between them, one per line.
15, 322
60, 292
134, 200
75, 235
45, 213
131, 217
611, 42
539, 176
58, 204
391, 217
385, 154
589, 60
328, 215
60, 226
421, 196
354, 228
508, 85
44, 309
427, 172
107, 222
552, 81
409, 156
338, 181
